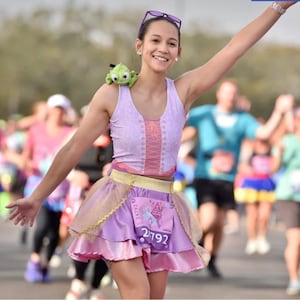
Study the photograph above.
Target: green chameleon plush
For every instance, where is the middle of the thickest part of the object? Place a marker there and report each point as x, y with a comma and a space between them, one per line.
120, 74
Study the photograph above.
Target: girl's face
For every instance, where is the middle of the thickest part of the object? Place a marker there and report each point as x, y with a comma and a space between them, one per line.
160, 47
261, 147
227, 96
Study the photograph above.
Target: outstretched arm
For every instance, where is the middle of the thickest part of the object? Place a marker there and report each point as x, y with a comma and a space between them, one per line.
194, 83
94, 123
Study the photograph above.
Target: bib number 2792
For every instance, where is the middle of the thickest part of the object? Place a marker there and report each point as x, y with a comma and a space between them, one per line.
153, 220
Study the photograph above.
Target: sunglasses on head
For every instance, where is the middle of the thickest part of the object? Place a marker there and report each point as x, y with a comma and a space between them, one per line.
159, 14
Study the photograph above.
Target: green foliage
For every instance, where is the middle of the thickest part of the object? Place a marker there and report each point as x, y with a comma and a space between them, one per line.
70, 51
52, 52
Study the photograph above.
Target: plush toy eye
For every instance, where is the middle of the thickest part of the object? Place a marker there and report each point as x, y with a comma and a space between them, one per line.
126, 75
114, 77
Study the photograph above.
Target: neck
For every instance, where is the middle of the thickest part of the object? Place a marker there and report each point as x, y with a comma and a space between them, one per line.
224, 109
155, 83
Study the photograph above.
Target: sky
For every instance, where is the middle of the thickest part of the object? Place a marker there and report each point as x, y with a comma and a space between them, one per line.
218, 16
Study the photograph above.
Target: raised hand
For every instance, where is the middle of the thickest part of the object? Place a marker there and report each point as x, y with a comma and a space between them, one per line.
284, 103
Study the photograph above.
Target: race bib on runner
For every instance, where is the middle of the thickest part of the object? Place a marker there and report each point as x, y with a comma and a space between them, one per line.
222, 161
153, 220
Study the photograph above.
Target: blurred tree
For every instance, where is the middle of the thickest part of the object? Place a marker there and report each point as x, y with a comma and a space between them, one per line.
69, 52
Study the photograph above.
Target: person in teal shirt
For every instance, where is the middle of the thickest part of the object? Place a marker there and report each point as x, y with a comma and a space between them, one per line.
223, 133
220, 130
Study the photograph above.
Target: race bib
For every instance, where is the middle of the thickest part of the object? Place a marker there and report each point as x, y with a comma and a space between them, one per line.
222, 161
153, 220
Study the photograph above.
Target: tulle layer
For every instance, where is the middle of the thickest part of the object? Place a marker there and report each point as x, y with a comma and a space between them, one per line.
186, 261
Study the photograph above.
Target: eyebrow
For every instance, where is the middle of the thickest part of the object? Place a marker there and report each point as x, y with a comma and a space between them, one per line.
158, 35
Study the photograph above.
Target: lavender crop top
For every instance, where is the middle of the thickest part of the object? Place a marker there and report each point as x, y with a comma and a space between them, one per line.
145, 146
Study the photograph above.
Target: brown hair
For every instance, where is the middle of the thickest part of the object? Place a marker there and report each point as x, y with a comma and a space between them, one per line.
147, 23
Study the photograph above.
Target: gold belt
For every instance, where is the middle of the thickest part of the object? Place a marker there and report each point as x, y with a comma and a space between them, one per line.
142, 181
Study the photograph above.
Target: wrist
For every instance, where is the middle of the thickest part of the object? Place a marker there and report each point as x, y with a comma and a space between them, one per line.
278, 8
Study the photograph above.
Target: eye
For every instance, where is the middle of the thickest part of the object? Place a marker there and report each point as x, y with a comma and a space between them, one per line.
126, 75
172, 44
114, 77
155, 40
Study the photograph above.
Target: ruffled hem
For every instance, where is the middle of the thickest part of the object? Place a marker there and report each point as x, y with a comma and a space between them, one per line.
82, 249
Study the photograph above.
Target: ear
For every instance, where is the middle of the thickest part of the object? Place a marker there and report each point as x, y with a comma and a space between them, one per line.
138, 46
179, 52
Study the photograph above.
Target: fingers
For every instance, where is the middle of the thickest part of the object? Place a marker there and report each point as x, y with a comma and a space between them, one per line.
14, 210
24, 221
11, 205
18, 218
14, 213
21, 219
31, 222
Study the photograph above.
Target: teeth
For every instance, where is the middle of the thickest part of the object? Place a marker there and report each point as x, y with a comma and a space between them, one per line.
160, 58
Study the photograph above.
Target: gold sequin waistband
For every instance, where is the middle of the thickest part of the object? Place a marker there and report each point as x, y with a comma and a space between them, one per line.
142, 181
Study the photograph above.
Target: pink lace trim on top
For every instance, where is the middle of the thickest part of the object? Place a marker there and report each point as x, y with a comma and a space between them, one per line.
153, 146
126, 168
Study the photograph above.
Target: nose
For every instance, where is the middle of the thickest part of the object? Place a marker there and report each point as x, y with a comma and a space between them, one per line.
163, 47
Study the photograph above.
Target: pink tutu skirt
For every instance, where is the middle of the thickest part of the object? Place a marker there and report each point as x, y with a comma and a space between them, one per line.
117, 221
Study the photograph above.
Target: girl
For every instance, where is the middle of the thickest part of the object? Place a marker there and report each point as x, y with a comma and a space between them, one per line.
132, 218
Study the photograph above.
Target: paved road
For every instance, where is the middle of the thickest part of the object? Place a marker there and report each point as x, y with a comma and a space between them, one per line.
245, 277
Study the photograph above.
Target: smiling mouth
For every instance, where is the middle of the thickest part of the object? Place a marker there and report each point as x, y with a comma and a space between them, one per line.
160, 58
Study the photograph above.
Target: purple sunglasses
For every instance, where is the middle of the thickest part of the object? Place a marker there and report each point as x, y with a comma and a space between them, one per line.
159, 14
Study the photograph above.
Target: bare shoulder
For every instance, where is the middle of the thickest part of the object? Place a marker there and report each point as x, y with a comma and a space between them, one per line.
96, 119
106, 98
